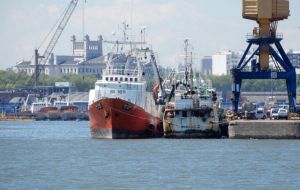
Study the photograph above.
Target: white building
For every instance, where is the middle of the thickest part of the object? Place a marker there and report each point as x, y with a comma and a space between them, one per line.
294, 57
223, 62
86, 59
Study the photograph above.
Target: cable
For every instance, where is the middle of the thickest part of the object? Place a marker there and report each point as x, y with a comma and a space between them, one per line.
53, 27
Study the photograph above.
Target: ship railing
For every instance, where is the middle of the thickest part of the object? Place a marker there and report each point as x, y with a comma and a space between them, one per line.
121, 72
251, 36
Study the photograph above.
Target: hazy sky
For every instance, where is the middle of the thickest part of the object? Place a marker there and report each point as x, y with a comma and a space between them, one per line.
212, 25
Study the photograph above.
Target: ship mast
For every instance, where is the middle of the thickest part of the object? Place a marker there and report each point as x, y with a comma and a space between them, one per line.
188, 60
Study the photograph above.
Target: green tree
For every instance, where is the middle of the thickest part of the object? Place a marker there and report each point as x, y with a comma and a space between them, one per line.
10, 80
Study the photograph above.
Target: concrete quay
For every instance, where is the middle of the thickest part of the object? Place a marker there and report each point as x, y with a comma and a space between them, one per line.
264, 129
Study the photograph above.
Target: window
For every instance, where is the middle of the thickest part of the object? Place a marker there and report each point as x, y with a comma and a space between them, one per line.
106, 78
116, 78
126, 79
121, 79
135, 79
111, 79
130, 79
184, 114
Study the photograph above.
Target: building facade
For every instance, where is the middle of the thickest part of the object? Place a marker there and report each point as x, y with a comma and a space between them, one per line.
224, 61
86, 59
294, 57
206, 65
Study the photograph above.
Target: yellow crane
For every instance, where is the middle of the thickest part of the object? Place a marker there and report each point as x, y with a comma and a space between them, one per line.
266, 13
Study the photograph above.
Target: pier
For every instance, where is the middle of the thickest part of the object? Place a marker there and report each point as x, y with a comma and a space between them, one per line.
264, 129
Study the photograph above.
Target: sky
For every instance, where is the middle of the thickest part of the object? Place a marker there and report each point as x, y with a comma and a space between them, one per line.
210, 25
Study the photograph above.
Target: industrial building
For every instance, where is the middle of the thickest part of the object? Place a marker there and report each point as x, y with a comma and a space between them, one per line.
206, 65
86, 59
223, 62
294, 57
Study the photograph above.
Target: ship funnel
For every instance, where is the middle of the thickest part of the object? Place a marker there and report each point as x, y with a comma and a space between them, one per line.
266, 13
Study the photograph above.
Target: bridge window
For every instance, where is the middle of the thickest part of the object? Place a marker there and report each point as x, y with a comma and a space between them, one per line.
116, 78
126, 79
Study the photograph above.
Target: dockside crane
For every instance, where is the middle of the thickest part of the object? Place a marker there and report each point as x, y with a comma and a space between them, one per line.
266, 13
42, 60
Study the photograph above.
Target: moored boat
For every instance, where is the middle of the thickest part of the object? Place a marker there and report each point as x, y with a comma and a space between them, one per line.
116, 118
192, 110
120, 106
191, 118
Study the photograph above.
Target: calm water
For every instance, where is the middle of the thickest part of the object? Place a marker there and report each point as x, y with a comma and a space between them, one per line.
61, 155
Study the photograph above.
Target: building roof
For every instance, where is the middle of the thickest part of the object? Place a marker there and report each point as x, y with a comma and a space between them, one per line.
71, 62
97, 60
24, 63
17, 100
79, 96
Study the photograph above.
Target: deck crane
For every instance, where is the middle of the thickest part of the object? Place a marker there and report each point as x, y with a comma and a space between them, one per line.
41, 60
266, 13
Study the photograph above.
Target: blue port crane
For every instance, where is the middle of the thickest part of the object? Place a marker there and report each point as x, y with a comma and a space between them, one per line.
266, 46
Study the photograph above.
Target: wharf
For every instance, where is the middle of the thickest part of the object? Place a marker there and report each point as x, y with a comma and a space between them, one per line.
15, 118
264, 129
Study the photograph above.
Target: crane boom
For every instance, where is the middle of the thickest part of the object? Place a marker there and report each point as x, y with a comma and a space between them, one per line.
62, 24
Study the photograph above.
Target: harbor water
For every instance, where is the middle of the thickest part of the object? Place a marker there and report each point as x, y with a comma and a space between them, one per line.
62, 155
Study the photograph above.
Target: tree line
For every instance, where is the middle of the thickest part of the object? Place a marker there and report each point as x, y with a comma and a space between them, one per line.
223, 83
10, 80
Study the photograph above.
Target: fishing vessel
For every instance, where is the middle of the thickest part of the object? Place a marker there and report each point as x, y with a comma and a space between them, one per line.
192, 109
120, 106
52, 107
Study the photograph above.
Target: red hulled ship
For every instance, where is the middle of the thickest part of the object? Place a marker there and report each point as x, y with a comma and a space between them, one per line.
120, 106
116, 118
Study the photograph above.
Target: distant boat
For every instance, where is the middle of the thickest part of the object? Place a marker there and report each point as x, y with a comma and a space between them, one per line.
56, 110
69, 113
